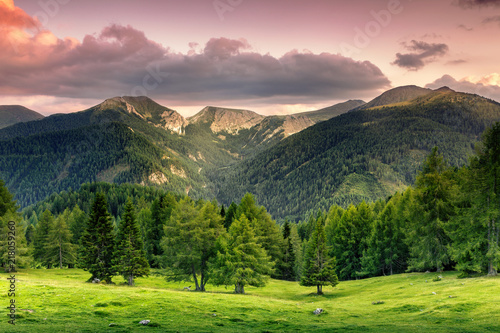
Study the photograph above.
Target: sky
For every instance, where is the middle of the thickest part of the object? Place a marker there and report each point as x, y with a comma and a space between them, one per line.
269, 56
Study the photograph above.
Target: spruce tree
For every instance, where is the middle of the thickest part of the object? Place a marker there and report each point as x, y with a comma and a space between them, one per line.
286, 267
161, 211
130, 260
319, 268
241, 261
97, 242
266, 230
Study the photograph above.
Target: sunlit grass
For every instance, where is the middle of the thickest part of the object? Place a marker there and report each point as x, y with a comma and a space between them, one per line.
61, 301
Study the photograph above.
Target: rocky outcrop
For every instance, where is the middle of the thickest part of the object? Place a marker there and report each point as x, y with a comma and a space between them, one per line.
226, 120
171, 120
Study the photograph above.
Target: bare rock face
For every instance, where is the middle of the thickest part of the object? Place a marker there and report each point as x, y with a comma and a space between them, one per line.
116, 102
173, 121
158, 178
296, 123
226, 120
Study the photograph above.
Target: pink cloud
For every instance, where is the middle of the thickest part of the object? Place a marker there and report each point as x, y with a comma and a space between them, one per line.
488, 86
121, 60
14, 17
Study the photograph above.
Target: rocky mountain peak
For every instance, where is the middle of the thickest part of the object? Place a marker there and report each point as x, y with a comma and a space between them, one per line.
226, 120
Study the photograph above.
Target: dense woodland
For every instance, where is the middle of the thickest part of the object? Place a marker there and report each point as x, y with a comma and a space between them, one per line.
448, 220
360, 155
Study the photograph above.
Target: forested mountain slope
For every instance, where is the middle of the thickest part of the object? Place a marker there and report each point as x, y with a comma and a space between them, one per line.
332, 111
114, 142
361, 155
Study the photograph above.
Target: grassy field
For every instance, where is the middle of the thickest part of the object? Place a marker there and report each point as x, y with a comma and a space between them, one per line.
60, 301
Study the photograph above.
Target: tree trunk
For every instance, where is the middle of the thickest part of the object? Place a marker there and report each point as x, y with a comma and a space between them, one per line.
203, 281
320, 289
195, 278
239, 288
492, 243
60, 256
131, 279
390, 265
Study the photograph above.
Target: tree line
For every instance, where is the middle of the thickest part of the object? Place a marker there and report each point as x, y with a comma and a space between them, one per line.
201, 241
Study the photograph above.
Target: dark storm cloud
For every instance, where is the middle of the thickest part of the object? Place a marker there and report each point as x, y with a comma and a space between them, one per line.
421, 54
467, 4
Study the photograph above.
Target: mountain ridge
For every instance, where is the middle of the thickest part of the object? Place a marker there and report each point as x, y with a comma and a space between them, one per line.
13, 114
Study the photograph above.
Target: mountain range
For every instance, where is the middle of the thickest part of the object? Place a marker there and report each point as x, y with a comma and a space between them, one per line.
293, 164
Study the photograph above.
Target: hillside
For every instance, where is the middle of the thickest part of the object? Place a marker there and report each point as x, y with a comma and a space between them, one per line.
361, 155
397, 95
13, 114
332, 111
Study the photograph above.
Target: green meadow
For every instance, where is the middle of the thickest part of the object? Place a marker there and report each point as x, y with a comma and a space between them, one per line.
61, 301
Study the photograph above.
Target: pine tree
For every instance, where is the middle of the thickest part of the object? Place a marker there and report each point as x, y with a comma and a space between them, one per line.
241, 261
265, 228
319, 268
161, 211
130, 260
97, 242
40, 238
230, 214
435, 193
59, 249
30, 233
286, 266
